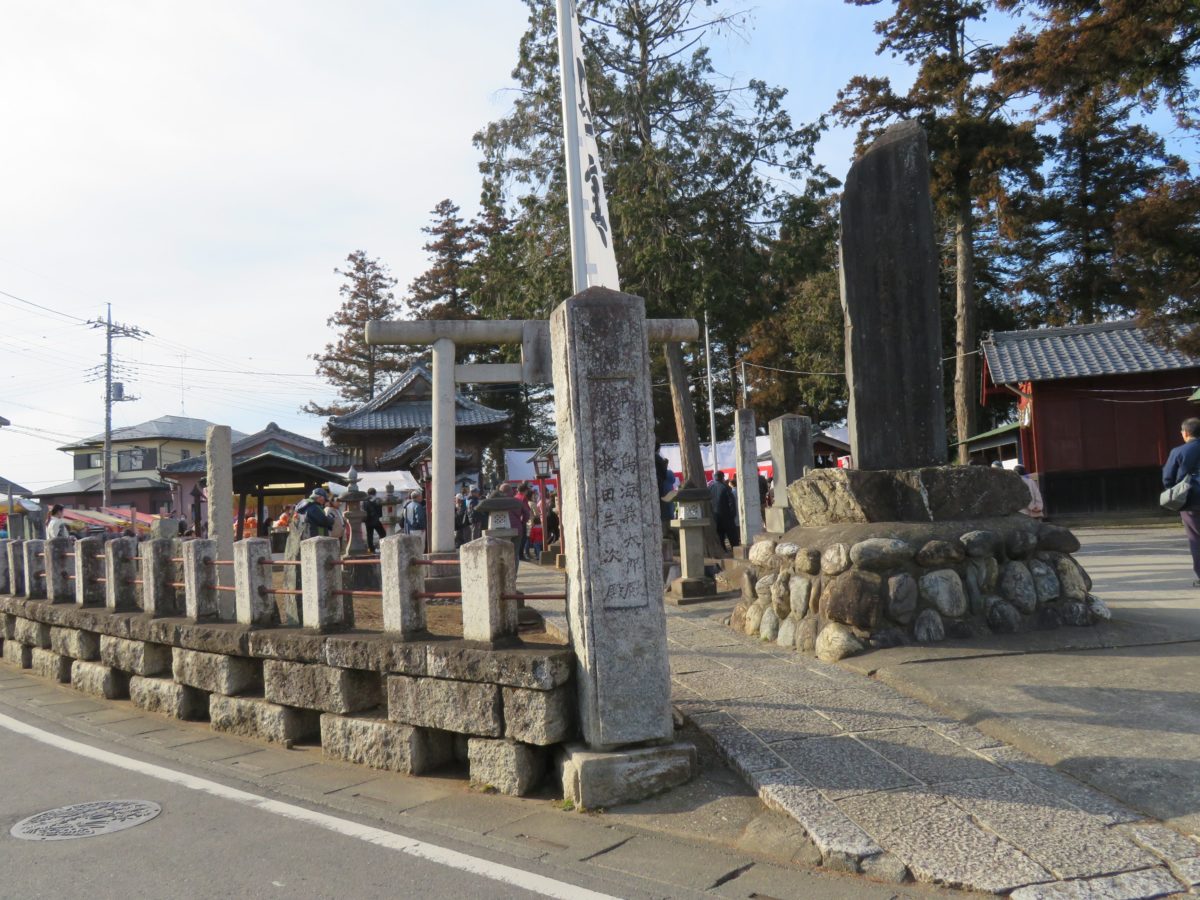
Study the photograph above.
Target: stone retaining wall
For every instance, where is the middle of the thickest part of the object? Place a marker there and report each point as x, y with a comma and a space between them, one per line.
376, 699
838, 589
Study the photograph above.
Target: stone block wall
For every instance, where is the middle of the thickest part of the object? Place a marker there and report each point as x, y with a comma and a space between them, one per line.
839, 589
377, 699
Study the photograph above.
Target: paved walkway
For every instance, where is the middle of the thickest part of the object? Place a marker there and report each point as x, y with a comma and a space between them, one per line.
882, 783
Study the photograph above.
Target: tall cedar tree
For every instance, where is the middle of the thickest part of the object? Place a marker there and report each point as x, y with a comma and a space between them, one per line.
973, 144
451, 288
1103, 165
441, 291
1090, 63
693, 166
358, 370
805, 333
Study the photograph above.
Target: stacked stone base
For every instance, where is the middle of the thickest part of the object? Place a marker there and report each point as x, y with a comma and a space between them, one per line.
837, 590
404, 706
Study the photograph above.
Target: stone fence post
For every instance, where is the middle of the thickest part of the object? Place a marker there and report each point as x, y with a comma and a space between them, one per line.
58, 571
252, 578
89, 569
489, 572
16, 567
159, 597
749, 503
200, 579
403, 579
5, 579
35, 569
321, 609
120, 572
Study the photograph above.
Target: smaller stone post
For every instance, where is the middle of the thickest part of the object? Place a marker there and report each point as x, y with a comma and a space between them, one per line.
35, 569
120, 572
791, 455
200, 579
4, 573
489, 573
403, 579
321, 608
58, 571
89, 569
16, 567
164, 529
159, 598
252, 578
693, 584
748, 502
219, 459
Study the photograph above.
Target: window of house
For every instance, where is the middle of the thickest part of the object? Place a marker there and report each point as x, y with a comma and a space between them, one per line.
88, 460
139, 459
185, 454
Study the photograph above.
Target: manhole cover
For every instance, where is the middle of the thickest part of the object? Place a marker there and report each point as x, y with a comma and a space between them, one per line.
85, 820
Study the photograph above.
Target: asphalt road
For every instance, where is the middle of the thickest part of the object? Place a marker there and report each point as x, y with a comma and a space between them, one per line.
1117, 707
245, 819
203, 844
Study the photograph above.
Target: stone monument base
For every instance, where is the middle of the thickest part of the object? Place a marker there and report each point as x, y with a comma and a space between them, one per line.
595, 780
685, 590
837, 590
933, 494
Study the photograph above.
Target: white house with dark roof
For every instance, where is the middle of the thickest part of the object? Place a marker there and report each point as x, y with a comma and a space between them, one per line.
138, 451
379, 432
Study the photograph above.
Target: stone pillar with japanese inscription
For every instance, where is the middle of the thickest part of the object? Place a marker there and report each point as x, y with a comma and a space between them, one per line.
610, 518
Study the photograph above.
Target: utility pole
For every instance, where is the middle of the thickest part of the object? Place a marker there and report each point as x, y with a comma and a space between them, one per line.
111, 330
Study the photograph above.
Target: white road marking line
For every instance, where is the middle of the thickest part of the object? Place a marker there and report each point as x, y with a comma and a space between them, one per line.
453, 859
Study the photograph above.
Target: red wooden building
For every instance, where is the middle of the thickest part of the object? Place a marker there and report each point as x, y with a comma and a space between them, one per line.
1099, 410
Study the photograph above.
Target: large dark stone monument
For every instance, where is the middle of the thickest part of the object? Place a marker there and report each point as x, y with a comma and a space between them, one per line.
890, 301
902, 547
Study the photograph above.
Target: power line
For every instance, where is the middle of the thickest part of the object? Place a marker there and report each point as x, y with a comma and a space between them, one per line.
45, 308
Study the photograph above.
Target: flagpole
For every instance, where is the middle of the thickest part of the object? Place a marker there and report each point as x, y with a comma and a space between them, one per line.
571, 142
712, 410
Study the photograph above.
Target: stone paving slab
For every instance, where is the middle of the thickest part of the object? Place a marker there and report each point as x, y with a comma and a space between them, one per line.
879, 781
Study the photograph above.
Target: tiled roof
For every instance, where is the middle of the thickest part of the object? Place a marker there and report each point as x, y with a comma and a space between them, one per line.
388, 412
412, 448
1077, 351
91, 484
164, 428
320, 456
274, 431
11, 487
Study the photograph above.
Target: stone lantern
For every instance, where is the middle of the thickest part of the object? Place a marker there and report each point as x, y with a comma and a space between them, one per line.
693, 584
389, 502
354, 514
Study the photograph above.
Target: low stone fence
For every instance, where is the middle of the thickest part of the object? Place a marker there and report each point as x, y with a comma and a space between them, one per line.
835, 590
119, 619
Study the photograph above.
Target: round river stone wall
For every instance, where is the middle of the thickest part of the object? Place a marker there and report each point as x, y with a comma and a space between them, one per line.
836, 590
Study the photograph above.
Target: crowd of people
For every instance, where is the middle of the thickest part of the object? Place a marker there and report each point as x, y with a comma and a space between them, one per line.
320, 514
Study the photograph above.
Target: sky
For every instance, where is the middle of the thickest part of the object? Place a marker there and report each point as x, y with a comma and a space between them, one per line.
204, 168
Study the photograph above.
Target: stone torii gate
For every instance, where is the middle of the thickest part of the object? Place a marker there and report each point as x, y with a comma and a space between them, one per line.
446, 336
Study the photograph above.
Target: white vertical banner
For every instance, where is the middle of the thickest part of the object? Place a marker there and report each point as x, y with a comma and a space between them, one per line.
593, 260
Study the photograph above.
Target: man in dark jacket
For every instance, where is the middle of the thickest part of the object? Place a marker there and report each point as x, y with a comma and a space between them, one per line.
724, 510
315, 521
373, 519
1185, 460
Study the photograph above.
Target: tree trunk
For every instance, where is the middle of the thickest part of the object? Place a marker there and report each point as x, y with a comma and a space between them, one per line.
689, 441
964, 317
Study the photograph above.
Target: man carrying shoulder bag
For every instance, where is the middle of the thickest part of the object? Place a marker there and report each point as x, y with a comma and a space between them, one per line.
1184, 463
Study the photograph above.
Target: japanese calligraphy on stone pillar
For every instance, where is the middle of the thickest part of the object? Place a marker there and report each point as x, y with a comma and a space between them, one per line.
619, 501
